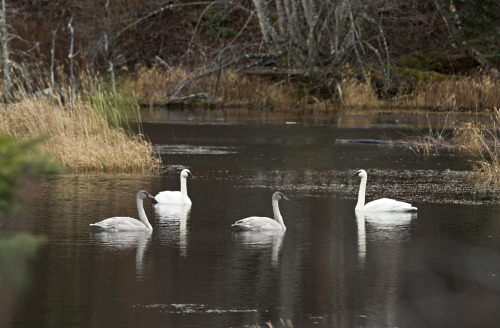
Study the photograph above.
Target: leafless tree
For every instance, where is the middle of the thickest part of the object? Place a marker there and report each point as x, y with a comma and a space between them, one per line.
322, 33
110, 63
5, 51
71, 57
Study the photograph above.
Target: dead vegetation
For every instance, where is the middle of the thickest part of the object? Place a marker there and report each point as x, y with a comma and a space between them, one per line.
82, 135
162, 86
483, 144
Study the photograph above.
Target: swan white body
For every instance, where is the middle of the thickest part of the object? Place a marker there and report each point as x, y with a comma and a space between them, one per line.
379, 205
121, 223
176, 197
264, 223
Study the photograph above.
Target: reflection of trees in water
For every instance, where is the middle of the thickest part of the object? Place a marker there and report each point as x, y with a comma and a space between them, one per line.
172, 224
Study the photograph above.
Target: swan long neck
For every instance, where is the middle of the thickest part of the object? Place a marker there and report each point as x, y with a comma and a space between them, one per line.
361, 195
277, 214
184, 192
142, 214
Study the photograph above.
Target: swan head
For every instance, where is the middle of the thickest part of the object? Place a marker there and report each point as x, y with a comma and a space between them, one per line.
186, 174
144, 194
360, 173
279, 196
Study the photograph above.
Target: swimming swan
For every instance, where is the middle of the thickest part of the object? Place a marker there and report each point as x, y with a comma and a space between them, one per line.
380, 205
176, 197
120, 223
264, 223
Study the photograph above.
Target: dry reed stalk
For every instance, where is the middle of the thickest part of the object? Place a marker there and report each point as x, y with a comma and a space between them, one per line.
470, 92
475, 93
78, 136
484, 144
153, 85
359, 94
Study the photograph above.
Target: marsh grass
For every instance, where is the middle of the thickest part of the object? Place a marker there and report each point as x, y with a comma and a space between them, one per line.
155, 85
473, 93
359, 94
484, 145
86, 135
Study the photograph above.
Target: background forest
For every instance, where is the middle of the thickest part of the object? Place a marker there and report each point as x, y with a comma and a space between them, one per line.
316, 45
76, 72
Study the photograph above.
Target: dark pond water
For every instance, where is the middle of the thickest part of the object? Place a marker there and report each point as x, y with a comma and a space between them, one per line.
437, 268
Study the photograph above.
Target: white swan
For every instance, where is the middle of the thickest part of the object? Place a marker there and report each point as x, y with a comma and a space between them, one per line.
379, 205
176, 197
264, 223
120, 223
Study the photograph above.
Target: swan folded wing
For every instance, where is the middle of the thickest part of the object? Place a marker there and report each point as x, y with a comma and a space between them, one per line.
389, 205
171, 197
257, 223
120, 223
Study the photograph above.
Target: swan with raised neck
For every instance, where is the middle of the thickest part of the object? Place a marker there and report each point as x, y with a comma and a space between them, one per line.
121, 223
176, 197
264, 223
379, 205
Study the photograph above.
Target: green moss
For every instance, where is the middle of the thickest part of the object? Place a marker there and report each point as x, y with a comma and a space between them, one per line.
417, 75
432, 61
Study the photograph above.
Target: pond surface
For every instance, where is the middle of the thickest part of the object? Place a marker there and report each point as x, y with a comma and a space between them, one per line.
331, 268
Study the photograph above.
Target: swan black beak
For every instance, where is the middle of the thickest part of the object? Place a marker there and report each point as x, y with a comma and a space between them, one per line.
190, 175
355, 174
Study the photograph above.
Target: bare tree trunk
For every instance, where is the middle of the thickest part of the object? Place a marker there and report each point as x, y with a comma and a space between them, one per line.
5, 52
111, 69
268, 32
72, 61
52, 61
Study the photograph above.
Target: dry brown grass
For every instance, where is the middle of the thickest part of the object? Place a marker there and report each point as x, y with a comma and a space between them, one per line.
78, 135
484, 144
154, 85
360, 94
475, 93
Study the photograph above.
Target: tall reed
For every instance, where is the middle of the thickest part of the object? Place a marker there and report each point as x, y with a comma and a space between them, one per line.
484, 144
474, 93
156, 84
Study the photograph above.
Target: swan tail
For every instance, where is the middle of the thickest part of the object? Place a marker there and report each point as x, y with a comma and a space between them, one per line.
98, 227
241, 227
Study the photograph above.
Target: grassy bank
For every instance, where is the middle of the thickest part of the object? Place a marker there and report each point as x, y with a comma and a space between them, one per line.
158, 85
79, 134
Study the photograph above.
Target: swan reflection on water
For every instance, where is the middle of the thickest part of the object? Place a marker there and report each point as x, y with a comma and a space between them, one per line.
261, 240
382, 226
127, 241
174, 219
